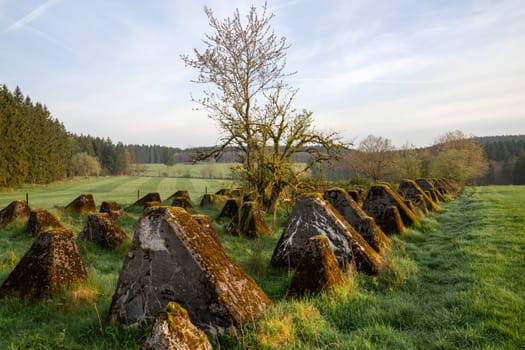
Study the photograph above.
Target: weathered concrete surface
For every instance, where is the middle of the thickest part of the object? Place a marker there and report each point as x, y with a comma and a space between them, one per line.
426, 185
16, 210
224, 192
173, 259
357, 218
173, 330
311, 216
41, 220
249, 222
103, 230
112, 208
181, 201
52, 262
410, 190
207, 225
230, 208
317, 271
391, 221
380, 197
82, 204
148, 200
179, 193
207, 200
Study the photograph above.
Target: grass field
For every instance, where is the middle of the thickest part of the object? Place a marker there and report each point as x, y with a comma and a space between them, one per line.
456, 281
123, 189
198, 170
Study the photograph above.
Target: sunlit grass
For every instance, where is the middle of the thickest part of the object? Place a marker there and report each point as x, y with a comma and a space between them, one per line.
455, 281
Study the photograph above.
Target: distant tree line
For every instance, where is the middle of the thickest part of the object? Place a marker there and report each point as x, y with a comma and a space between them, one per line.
114, 159
34, 147
479, 160
156, 154
506, 156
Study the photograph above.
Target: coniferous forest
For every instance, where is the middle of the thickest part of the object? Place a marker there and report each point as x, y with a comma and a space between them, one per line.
33, 145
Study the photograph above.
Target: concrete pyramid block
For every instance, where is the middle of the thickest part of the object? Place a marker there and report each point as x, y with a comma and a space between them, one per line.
249, 222
103, 230
150, 199
426, 185
179, 193
82, 204
207, 200
41, 220
311, 216
112, 208
16, 210
410, 190
391, 221
173, 259
230, 208
357, 218
173, 330
317, 271
52, 262
380, 197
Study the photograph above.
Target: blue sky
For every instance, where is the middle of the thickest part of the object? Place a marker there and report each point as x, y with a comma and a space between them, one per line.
406, 70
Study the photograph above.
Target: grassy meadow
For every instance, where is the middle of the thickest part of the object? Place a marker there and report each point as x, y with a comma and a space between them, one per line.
123, 189
456, 281
198, 170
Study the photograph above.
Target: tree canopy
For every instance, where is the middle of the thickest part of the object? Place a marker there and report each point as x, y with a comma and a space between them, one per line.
34, 147
247, 95
458, 157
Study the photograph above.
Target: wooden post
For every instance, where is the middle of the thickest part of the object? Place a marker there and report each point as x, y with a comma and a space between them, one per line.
27, 198
138, 194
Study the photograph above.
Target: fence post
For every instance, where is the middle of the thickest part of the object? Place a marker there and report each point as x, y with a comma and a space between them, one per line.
27, 198
138, 194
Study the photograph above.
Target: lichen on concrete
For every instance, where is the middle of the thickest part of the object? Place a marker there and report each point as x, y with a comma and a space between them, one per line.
51, 263
311, 216
173, 259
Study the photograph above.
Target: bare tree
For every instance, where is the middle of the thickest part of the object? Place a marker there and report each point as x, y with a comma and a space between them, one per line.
407, 163
374, 157
246, 94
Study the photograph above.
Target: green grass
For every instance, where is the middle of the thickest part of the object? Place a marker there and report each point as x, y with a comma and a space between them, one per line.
456, 281
198, 170
123, 189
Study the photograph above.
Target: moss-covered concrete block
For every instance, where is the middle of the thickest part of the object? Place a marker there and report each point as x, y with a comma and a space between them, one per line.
174, 259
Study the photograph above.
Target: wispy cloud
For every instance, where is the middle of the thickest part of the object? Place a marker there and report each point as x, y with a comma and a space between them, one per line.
31, 16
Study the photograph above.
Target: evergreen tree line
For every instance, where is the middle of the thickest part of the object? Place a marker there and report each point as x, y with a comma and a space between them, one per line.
34, 147
506, 156
113, 159
156, 154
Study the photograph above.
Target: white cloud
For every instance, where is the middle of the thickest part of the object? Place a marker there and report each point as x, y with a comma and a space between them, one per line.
404, 70
32, 15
